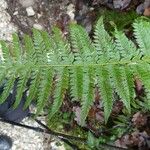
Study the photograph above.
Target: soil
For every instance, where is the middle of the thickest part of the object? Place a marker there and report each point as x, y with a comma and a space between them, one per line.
44, 14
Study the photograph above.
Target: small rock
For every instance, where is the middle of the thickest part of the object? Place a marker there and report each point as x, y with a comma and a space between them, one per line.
140, 9
30, 11
3, 4
5, 142
121, 4
27, 3
37, 26
15, 13
6, 27
39, 15
96, 2
71, 11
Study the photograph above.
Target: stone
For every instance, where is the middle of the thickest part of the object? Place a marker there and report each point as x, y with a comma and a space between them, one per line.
121, 4
3, 5
5, 142
27, 3
140, 9
71, 11
30, 11
15, 13
37, 26
6, 26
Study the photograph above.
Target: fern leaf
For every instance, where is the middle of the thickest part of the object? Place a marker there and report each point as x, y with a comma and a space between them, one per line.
121, 84
74, 64
60, 90
126, 47
45, 89
47, 41
40, 49
143, 71
34, 86
3, 74
21, 85
63, 47
82, 43
29, 49
130, 82
106, 91
5, 52
142, 32
8, 86
17, 51
76, 82
51, 48
88, 95
104, 44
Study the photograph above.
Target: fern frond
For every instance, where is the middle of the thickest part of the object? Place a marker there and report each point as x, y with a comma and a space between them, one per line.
8, 86
82, 44
29, 49
45, 88
3, 74
51, 49
130, 53
142, 32
16, 48
60, 90
88, 95
106, 91
130, 82
75, 66
63, 47
21, 84
34, 86
104, 44
40, 49
143, 72
121, 84
6, 52
46, 39
126, 48
76, 82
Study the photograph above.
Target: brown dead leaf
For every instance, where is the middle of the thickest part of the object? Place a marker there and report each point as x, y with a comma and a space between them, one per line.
135, 139
147, 12
139, 119
77, 111
139, 87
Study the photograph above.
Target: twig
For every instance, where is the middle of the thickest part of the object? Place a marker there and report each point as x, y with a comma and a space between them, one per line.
38, 129
73, 146
61, 136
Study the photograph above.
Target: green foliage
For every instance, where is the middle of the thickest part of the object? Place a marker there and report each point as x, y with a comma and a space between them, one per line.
55, 66
121, 19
